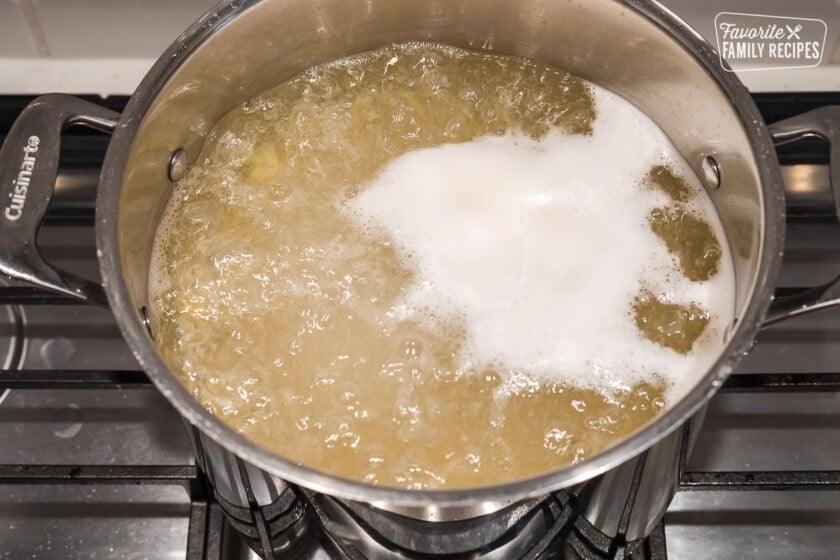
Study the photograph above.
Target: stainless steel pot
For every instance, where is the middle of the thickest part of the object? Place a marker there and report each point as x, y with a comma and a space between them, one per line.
635, 48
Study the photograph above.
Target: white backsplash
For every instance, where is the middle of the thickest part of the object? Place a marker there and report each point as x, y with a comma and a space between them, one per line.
106, 46
87, 46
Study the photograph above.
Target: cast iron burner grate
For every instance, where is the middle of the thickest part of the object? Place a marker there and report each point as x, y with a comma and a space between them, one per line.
566, 537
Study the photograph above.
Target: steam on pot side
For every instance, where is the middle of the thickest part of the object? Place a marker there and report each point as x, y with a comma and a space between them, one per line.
424, 267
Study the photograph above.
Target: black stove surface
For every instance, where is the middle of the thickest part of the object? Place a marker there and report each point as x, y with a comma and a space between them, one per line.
94, 463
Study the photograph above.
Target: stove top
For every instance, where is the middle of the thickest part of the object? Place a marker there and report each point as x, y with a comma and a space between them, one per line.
94, 463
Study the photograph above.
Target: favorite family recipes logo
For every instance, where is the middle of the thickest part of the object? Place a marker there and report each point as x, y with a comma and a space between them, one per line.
759, 42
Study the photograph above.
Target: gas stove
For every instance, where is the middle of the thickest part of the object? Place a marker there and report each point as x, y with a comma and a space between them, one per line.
94, 463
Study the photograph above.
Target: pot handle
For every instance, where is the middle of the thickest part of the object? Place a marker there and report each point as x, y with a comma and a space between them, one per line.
821, 123
28, 169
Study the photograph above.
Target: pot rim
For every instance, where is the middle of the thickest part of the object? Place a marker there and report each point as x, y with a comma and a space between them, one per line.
135, 334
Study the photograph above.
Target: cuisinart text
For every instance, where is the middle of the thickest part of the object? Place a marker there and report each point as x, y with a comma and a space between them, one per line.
20, 185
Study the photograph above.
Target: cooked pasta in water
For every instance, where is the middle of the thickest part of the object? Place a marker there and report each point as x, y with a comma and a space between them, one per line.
423, 267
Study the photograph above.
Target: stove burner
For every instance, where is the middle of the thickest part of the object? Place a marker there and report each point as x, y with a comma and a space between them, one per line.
585, 542
527, 531
279, 528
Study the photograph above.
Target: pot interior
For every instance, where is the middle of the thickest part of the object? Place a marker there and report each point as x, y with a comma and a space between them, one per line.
240, 50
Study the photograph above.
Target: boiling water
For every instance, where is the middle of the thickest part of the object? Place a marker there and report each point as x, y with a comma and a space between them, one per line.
423, 267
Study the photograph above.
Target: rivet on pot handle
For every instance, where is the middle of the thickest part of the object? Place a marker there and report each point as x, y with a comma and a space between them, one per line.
28, 169
821, 123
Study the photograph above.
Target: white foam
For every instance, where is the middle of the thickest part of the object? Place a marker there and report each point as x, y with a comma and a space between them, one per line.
541, 246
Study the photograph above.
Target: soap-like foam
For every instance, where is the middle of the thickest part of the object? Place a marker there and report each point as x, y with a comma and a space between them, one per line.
540, 246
